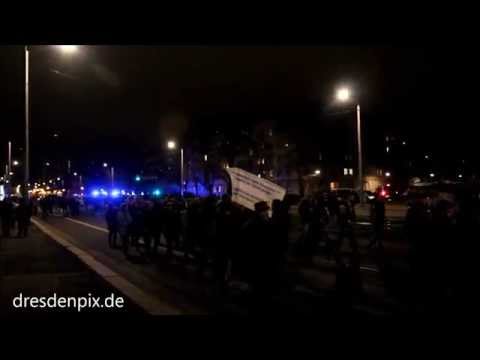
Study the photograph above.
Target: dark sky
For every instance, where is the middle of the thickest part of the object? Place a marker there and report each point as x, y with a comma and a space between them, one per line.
118, 100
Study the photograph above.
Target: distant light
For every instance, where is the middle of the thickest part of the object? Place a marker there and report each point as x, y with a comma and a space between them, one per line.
138, 178
142, 193
227, 166
75, 174
383, 193
64, 190
387, 149
47, 164
44, 184
460, 176
115, 193
343, 94
95, 193
259, 175
171, 144
388, 185
82, 188
404, 143
15, 163
123, 192
68, 49
10, 173
432, 175
286, 145
7, 181
157, 192
48, 188
205, 157
426, 157
387, 174
49, 181
58, 179
55, 135
133, 193
105, 165
28, 184
317, 172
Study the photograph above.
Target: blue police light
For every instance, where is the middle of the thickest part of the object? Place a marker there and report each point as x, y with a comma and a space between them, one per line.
123, 192
157, 192
95, 193
138, 178
115, 193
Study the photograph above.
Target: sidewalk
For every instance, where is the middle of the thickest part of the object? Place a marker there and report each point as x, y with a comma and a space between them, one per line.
38, 266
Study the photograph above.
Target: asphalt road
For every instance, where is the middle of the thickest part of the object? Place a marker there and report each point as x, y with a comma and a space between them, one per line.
177, 284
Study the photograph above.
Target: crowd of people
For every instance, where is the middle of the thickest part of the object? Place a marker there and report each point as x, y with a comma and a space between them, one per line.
215, 233
15, 214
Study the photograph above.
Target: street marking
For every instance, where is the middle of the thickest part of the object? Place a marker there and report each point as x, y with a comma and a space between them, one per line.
368, 268
146, 301
104, 230
87, 224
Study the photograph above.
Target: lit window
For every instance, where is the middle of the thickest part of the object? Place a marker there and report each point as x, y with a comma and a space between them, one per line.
345, 171
350, 171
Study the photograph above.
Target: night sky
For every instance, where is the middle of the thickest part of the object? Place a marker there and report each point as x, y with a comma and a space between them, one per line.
121, 102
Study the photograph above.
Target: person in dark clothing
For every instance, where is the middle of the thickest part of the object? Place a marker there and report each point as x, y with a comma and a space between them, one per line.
193, 227
206, 236
258, 235
112, 224
280, 230
172, 228
378, 220
23, 213
226, 226
154, 223
7, 215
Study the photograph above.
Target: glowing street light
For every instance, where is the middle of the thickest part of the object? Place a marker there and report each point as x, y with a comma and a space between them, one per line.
75, 174
460, 176
15, 163
343, 95
387, 174
68, 49
171, 145
105, 165
432, 175
317, 172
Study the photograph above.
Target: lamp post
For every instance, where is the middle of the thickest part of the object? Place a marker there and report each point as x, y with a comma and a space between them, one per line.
66, 49
171, 145
343, 95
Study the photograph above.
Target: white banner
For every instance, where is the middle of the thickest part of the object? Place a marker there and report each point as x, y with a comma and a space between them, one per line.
248, 189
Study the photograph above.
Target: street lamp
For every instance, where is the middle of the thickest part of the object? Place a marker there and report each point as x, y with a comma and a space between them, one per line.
66, 49
343, 95
16, 163
171, 145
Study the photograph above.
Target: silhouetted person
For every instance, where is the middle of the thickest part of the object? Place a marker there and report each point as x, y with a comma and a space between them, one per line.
207, 232
124, 221
23, 213
193, 227
378, 221
172, 227
227, 227
7, 215
154, 222
111, 219
280, 230
258, 235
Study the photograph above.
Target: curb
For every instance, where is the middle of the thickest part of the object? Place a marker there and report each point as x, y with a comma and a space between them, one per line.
147, 302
